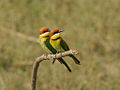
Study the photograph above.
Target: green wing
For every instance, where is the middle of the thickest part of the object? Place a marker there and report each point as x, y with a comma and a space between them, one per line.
49, 46
64, 45
54, 51
66, 48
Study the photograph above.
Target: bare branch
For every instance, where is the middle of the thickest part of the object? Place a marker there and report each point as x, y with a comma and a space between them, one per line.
46, 57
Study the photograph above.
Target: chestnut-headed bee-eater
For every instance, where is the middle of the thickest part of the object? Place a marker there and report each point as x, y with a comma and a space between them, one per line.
44, 42
59, 44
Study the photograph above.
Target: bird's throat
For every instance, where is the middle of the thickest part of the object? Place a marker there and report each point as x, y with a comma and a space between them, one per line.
44, 35
56, 36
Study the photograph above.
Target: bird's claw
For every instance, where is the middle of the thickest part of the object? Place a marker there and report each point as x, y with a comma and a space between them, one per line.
53, 61
55, 58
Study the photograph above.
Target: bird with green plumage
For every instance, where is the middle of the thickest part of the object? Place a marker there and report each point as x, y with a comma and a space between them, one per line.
45, 44
59, 44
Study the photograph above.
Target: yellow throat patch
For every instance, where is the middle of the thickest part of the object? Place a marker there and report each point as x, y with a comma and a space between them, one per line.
44, 34
55, 36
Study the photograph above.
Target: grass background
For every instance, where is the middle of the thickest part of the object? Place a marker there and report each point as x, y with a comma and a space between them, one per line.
91, 26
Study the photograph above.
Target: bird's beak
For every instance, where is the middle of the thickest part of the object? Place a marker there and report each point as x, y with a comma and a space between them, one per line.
61, 30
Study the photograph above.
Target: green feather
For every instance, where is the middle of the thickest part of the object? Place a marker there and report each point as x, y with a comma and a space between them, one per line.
64, 45
54, 51
61, 45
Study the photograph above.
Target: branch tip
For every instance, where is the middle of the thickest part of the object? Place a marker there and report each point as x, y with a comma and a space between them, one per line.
45, 57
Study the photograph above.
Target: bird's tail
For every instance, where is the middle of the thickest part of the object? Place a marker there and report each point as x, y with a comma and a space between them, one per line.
75, 59
63, 62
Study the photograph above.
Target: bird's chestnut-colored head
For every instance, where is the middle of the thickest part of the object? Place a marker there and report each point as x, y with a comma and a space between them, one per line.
44, 32
55, 34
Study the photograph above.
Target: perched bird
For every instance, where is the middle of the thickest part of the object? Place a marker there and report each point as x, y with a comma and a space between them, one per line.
44, 42
59, 44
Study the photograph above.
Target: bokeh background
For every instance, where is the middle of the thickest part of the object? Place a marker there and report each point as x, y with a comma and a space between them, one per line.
91, 26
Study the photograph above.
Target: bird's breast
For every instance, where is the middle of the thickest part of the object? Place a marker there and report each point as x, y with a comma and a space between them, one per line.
56, 44
42, 43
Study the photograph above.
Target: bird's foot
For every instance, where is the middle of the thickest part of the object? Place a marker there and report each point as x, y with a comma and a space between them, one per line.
55, 58
53, 61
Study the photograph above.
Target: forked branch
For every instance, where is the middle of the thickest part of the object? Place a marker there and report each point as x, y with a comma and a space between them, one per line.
46, 57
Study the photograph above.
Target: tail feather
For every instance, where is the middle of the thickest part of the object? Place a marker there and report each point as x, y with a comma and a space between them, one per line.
61, 60
75, 59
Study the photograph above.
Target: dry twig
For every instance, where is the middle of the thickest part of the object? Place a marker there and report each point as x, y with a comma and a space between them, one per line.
45, 57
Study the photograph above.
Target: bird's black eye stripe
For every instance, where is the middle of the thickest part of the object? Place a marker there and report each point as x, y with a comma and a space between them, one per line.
45, 31
55, 32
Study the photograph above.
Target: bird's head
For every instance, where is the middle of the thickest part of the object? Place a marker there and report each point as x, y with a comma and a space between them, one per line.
44, 32
55, 33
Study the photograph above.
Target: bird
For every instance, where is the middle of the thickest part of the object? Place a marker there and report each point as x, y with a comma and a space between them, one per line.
59, 44
44, 42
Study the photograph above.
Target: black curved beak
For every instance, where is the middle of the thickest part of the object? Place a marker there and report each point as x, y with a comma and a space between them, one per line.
61, 30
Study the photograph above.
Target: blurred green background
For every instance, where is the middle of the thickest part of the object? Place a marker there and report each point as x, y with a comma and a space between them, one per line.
91, 26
